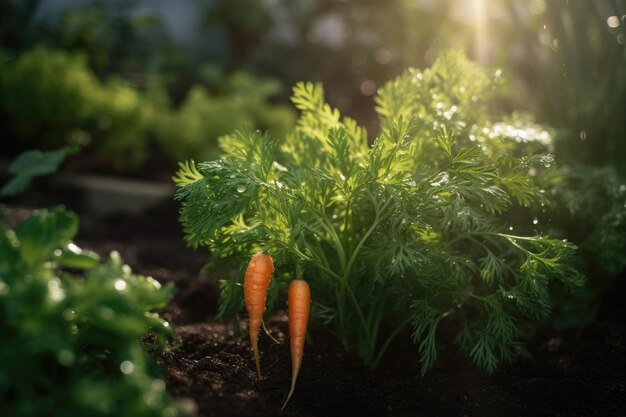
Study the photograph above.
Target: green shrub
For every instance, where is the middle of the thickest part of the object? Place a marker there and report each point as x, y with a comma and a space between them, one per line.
48, 96
193, 130
52, 98
71, 347
409, 232
590, 204
124, 124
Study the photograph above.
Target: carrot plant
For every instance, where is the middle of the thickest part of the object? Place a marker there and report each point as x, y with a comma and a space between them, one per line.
429, 223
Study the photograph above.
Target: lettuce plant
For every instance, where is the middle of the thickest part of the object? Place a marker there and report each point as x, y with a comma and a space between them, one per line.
406, 233
71, 347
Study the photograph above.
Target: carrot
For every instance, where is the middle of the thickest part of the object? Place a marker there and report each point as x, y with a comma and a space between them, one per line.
256, 281
299, 306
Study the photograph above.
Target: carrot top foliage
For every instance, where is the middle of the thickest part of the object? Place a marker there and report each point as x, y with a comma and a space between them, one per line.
406, 233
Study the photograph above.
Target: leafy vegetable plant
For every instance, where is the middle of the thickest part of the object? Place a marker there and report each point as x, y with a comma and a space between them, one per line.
406, 233
72, 346
52, 98
194, 128
591, 202
32, 164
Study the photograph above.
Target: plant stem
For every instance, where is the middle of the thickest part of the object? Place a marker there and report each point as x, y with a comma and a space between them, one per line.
388, 341
370, 230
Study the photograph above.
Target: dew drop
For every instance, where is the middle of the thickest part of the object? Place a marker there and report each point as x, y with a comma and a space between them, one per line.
612, 22
127, 367
241, 188
55, 290
120, 285
511, 228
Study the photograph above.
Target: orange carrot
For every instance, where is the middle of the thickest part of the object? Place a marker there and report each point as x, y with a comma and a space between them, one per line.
256, 281
299, 306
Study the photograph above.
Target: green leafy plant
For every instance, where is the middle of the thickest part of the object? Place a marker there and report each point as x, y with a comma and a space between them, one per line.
591, 207
72, 346
48, 96
406, 233
31, 164
52, 98
193, 130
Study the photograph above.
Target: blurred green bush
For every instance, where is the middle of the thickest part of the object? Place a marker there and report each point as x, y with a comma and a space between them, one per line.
52, 98
204, 117
71, 346
48, 96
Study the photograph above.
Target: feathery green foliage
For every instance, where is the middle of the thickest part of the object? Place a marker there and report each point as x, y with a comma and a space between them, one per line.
72, 346
407, 232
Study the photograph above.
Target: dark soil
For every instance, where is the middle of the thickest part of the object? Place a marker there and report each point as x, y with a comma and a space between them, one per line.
572, 373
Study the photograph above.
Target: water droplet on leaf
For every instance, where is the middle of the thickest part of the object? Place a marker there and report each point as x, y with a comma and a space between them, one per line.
127, 367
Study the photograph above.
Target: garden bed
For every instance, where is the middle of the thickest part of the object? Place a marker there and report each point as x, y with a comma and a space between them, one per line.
573, 373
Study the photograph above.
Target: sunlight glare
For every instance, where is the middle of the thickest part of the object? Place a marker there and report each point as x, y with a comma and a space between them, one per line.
481, 37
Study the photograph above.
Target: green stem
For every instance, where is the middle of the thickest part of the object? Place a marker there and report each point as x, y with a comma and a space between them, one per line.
390, 338
341, 280
377, 219
338, 244
346, 225
323, 220
369, 328
478, 297
373, 324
